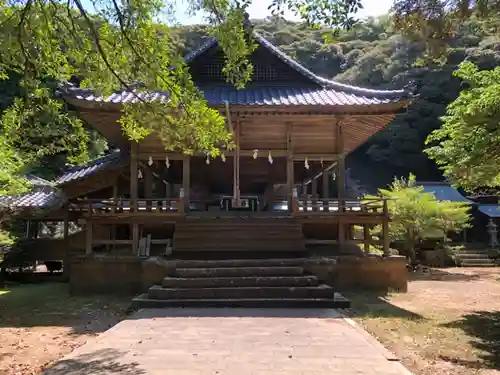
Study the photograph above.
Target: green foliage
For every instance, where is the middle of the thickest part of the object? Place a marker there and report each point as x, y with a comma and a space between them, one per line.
108, 46
467, 146
417, 216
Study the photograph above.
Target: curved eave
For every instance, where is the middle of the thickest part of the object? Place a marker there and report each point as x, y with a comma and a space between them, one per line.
390, 107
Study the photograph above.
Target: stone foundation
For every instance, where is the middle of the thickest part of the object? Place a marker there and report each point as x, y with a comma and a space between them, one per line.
117, 274
384, 274
133, 275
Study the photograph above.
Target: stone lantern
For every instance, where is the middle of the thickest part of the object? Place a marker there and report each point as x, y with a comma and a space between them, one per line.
493, 232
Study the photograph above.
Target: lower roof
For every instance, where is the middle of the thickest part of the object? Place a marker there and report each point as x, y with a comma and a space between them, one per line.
218, 95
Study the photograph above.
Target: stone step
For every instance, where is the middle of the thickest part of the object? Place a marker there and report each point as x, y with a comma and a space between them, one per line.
242, 235
285, 262
321, 291
252, 281
477, 260
238, 272
337, 302
473, 256
246, 246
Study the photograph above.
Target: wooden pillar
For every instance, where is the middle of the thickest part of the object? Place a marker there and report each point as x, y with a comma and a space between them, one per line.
290, 178
341, 180
186, 172
314, 194
134, 168
326, 185
289, 182
67, 255
366, 238
88, 237
385, 230
148, 183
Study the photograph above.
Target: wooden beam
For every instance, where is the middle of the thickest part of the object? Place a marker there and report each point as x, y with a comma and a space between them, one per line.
263, 153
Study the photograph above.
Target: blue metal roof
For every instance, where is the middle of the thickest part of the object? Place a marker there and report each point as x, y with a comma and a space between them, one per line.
445, 192
111, 160
490, 210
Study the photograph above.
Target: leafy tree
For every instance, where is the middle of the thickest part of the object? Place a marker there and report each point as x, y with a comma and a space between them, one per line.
417, 216
467, 146
111, 46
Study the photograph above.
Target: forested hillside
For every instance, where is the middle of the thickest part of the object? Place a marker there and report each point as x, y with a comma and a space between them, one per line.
374, 56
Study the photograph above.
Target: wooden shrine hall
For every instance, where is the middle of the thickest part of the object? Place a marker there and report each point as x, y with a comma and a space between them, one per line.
281, 191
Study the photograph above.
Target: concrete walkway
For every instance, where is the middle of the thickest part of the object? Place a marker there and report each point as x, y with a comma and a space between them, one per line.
231, 342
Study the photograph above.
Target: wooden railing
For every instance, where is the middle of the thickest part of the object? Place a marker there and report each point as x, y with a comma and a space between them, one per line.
121, 205
336, 206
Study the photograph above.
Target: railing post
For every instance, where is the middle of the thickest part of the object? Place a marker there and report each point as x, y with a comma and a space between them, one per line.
181, 202
295, 202
385, 228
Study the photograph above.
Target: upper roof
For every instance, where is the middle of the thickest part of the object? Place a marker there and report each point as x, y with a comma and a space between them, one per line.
324, 92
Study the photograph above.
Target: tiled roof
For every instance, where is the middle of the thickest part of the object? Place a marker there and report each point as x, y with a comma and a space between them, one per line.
327, 92
301, 69
42, 195
258, 95
111, 160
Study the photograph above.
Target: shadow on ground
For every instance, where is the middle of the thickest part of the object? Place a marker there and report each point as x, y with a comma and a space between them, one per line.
436, 274
106, 361
366, 304
50, 304
484, 329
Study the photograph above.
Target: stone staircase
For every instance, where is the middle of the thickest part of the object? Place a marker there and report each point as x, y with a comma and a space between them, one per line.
238, 234
475, 257
241, 283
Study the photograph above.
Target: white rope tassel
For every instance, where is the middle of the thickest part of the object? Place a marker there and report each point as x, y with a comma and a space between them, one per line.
270, 158
306, 164
321, 161
167, 162
255, 153
139, 174
223, 157
150, 161
334, 175
208, 160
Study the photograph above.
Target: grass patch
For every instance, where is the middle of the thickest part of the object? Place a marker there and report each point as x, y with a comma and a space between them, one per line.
47, 304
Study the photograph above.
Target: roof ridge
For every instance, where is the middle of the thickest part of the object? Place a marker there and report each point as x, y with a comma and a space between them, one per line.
323, 82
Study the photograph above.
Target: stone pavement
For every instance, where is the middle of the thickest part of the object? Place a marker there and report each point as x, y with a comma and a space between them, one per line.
231, 342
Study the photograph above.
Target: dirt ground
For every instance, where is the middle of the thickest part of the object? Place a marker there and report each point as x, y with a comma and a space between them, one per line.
447, 324
40, 323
